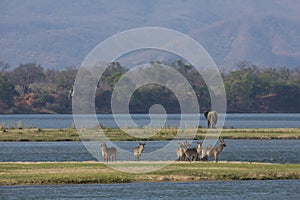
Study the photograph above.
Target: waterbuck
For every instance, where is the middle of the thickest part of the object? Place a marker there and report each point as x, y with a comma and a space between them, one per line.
209, 151
199, 149
108, 154
212, 118
193, 153
137, 151
181, 149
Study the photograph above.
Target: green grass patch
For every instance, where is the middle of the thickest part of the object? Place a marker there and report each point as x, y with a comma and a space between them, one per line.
93, 172
34, 134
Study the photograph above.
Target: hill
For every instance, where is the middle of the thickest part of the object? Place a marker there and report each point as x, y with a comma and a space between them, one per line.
60, 33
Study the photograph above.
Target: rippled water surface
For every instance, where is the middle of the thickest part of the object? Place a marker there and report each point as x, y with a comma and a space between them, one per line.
225, 190
274, 151
106, 120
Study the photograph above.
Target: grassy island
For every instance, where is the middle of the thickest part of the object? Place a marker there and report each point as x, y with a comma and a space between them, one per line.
24, 173
69, 134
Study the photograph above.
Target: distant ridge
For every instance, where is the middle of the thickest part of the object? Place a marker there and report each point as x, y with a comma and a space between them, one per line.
60, 33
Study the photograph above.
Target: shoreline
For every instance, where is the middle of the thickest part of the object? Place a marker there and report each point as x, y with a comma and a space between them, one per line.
165, 134
92, 172
138, 162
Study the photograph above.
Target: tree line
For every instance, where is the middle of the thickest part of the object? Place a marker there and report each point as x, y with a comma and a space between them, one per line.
30, 88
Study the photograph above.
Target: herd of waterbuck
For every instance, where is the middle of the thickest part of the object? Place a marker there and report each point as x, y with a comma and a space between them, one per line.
184, 153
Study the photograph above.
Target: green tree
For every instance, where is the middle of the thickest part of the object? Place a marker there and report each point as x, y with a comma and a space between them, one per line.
65, 79
7, 93
111, 75
242, 87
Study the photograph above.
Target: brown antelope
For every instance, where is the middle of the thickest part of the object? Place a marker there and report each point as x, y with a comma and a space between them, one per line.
199, 149
108, 154
212, 118
209, 151
185, 153
194, 153
137, 151
181, 149
205, 151
191, 154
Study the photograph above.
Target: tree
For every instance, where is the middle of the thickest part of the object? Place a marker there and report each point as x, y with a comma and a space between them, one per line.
26, 74
3, 66
242, 87
111, 75
7, 93
65, 79
294, 78
50, 75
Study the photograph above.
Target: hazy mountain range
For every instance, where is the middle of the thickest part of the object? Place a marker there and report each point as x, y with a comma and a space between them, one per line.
60, 33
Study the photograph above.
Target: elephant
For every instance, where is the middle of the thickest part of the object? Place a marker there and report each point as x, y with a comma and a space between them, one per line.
212, 118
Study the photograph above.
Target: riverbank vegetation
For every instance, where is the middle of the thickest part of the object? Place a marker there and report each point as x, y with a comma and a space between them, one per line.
96, 172
30, 88
72, 134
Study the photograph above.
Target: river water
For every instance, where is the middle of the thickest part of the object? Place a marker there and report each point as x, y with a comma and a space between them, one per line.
274, 151
172, 120
225, 190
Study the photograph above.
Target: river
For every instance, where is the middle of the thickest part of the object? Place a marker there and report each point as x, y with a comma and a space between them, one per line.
225, 190
272, 151
106, 120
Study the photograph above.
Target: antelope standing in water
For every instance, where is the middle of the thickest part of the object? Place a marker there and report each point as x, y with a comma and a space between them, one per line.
108, 154
137, 151
209, 151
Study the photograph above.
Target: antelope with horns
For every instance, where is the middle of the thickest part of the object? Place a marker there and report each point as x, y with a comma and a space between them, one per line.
209, 151
181, 149
199, 149
137, 151
108, 154
193, 153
